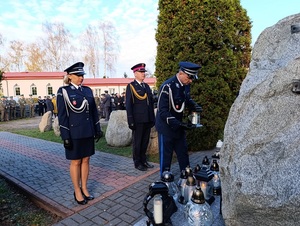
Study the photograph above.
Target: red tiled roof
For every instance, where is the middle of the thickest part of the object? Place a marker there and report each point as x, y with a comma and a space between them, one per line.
32, 75
60, 75
114, 81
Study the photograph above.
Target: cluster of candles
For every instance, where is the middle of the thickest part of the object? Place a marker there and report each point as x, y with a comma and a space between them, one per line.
194, 190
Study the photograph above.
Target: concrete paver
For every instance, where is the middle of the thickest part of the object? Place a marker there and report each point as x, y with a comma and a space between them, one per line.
40, 168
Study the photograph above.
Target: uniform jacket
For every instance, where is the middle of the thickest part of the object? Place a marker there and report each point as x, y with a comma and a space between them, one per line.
12, 103
139, 111
30, 101
41, 102
2, 105
54, 105
22, 101
79, 123
167, 119
107, 100
49, 105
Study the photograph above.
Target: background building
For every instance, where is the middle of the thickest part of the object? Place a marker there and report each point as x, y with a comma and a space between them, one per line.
47, 83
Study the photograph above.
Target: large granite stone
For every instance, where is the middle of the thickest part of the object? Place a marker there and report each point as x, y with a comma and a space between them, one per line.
55, 126
117, 133
260, 158
46, 122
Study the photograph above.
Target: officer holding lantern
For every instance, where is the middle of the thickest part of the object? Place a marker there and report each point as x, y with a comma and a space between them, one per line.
174, 96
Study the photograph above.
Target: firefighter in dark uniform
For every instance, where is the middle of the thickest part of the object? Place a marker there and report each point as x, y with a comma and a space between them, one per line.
174, 96
79, 126
140, 116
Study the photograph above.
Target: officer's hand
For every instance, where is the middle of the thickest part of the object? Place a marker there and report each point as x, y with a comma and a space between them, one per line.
68, 144
187, 126
197, 108
98, 136
131, 126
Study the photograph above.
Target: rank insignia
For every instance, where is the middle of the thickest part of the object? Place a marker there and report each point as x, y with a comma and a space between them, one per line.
177, 85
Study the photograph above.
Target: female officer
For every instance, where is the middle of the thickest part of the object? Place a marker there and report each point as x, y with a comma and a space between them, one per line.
79, 126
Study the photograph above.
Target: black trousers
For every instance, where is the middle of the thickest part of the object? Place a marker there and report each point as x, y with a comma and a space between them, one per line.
168, 145
140, 141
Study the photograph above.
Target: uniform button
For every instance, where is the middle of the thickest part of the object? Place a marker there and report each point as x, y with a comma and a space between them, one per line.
87, 119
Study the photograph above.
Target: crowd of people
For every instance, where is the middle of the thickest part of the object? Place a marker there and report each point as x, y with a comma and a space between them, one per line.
107, 103
17, 108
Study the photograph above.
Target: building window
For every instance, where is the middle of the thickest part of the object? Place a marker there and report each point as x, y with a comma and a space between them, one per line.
49, 89
33, 89
17, 90
98, 92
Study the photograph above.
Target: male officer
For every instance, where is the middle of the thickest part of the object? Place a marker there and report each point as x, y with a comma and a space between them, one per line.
2, 108
140, 115
174, 96
30, 102
41, 104
107, 105
7, 109
22, 103
12, 104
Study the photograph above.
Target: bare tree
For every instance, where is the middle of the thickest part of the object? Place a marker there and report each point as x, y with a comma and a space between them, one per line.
35, 59
90, 46
110, 46
16, 55
4, 60
57, 46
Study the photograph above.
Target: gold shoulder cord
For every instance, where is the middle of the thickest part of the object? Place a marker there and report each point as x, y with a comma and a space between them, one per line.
136, 94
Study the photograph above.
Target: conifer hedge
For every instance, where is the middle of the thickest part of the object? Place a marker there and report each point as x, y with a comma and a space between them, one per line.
216, 35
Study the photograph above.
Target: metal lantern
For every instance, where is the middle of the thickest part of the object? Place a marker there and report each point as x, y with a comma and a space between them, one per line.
189, 188
168, 178
188, 171
163, 205
218, 147
194, 118
204, 181
181, 185
198, 211
197, 168
205, 162
216, 178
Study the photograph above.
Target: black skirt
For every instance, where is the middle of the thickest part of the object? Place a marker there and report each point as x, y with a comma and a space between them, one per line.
81, 148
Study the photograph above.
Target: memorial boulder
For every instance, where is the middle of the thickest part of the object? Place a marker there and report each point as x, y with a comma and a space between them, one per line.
260, 156
118, 133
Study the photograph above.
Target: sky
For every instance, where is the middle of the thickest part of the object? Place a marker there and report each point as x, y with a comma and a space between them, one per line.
134, 20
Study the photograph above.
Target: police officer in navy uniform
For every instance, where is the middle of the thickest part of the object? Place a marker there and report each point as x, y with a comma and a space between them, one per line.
79, 126
140, 116
174, 96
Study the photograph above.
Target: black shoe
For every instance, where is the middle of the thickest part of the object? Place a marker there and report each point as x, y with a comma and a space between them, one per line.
141, 168
87, 197
83, 202
147, 165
